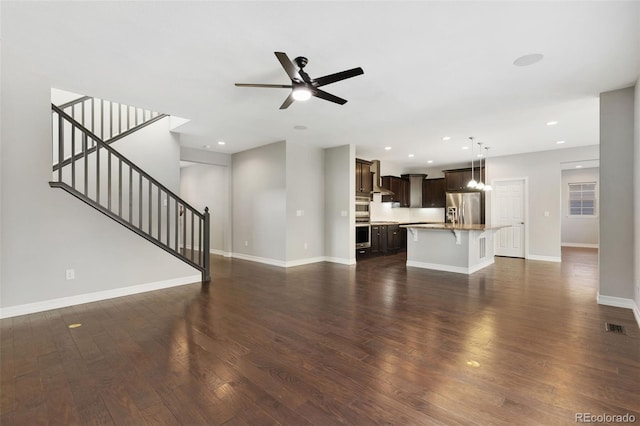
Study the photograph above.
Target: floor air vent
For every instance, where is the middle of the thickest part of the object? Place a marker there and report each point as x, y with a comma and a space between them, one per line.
614, 328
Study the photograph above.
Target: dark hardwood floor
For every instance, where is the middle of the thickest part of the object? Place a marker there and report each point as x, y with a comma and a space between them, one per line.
520, 342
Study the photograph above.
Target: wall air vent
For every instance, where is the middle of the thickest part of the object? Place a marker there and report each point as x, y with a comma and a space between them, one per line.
483, 247
614, 328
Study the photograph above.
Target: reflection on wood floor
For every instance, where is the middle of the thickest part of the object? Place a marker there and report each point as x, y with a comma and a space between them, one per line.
520, 342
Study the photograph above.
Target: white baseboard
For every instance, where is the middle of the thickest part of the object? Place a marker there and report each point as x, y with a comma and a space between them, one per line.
265, 260
288, 264
481, 265
581, 245
544, 258
448, 268
304, 261
63, 302
620, 302
220, 252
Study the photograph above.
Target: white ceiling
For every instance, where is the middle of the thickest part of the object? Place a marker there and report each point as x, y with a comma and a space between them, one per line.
431, 69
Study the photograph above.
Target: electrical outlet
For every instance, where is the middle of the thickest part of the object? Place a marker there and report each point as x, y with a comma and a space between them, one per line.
70, 274
343, 213
246, 243
305, 246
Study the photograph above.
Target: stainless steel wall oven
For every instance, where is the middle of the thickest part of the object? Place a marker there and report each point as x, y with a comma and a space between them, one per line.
362, 209
363, 235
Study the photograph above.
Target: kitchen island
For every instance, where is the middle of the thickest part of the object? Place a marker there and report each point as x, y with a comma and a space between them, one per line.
464, 249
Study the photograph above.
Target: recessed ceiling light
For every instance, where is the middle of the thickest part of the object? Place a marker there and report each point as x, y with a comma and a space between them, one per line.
221, 142
300, 127
578, 167
560, 142
530, 59
387, 148
411, 155
446, 138
551, 123
479, 155
465, 147
429, 161
206, 146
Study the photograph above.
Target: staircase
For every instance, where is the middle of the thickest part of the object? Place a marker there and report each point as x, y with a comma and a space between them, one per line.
88, 168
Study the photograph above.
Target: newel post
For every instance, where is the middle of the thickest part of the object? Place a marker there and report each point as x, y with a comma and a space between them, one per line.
206, 261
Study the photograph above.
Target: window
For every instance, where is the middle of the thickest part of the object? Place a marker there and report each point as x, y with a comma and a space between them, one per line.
582, 199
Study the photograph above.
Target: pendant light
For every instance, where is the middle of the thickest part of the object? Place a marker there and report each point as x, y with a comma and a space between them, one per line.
480, 185
487, 187
472, 183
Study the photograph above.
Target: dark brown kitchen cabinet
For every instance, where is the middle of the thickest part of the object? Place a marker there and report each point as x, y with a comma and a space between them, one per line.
394, 239
364, 178
434, 193
400, 189
378, 238
387, 239
362, 252
457, 179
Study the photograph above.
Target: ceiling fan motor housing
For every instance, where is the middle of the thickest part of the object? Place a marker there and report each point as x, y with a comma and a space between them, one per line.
301, 61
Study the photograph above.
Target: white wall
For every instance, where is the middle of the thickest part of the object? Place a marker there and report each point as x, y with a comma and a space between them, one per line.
46, 231
636, 197
205, 156
543, 173
579, 231
340, 192
207, 185
305, 202
616, 194
259, 221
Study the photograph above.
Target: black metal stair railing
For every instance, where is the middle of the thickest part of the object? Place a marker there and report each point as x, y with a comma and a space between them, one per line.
94, 172
110, 121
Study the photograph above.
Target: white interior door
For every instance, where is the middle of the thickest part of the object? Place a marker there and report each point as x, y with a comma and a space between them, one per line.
509, 208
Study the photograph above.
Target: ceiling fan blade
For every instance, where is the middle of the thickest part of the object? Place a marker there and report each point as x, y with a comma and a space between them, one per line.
332, 78
287, 101
281, 86
288, 66
328, 97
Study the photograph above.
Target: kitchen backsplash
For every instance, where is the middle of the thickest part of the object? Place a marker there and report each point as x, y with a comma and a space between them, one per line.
386, 212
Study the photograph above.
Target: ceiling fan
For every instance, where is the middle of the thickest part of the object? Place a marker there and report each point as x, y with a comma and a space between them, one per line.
303, 86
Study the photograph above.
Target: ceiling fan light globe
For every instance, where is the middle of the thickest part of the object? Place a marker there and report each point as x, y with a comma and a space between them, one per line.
480, 185
301, 94
487, 188
472, 183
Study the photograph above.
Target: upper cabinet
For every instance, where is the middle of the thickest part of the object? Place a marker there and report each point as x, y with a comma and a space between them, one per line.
456, 180
434, 193
400, 189
364, 178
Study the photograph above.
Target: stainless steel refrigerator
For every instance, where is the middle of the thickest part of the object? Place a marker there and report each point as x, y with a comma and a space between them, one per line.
464, 207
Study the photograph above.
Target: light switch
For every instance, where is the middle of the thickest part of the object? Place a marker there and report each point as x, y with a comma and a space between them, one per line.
546, 214
299, 212
343, 213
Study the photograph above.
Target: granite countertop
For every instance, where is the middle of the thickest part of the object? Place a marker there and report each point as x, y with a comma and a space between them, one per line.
448, 226
390, 222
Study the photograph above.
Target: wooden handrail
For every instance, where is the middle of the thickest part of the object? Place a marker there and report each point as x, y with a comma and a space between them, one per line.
128, 162
156, 214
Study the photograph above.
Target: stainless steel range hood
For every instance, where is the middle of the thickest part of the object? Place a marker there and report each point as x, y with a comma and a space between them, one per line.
377, 179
